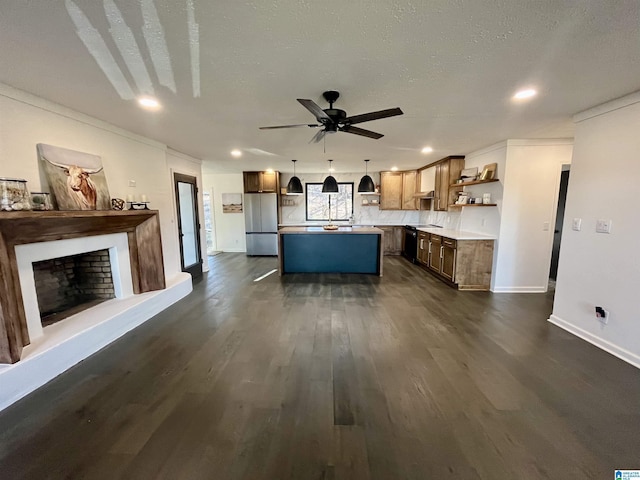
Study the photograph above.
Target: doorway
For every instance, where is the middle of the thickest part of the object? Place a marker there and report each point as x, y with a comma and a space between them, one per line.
188, 224
557, 232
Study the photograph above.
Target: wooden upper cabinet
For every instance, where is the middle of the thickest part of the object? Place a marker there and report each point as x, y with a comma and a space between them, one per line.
390, 190
398, 189
448, 170
260, 182
409, 189
269, 182
251, 182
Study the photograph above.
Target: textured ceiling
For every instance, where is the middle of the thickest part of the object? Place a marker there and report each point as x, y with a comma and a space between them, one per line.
221, 69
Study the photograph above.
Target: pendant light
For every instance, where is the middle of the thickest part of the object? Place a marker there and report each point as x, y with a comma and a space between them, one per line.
294, 187
330, 185
366, 184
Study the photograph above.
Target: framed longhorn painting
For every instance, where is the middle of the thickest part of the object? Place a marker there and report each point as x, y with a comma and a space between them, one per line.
76, 179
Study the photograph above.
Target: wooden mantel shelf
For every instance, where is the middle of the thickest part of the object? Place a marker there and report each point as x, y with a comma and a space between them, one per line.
17, 228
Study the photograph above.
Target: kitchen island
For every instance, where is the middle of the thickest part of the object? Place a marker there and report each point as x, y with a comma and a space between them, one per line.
316, 250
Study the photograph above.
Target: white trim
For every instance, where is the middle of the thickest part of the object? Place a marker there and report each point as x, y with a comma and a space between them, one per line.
233, 250
616, 104
56, 351
537, 142
184, 156
609, 347
519, 289
48, 106
491, 148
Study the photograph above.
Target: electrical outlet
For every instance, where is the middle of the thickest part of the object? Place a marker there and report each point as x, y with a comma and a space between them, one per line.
576, 224
132, 183
602, 315
482, 222
603, 226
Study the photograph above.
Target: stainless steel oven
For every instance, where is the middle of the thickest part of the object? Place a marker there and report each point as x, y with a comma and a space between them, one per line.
410, 243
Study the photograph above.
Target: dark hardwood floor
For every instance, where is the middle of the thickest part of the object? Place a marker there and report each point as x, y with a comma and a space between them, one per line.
333, 377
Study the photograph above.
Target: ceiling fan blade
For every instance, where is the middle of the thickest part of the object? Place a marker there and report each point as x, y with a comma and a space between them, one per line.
290, 126
315, 109
361, 131
367, 117
318, 136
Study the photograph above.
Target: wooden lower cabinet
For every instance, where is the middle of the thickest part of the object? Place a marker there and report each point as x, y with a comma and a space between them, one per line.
464, 264
448, 259
423, 248
392, 239
434, 259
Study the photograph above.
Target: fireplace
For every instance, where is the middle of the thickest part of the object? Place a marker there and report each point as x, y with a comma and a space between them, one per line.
31, 355
67, 285
132, 239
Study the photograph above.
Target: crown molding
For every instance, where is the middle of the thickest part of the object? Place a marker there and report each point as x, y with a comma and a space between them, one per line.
607, 107
55, 108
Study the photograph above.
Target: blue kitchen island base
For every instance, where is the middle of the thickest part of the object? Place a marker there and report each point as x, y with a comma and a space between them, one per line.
346, 250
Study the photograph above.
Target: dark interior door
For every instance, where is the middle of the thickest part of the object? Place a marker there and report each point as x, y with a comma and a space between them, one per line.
557, 233
188, 224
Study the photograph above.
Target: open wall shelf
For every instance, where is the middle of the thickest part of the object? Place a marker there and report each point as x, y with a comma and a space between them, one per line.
474, 182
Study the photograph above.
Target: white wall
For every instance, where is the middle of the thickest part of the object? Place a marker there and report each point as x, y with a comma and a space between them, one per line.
28, 120
596, 268
229, 227
528, 211
180, 163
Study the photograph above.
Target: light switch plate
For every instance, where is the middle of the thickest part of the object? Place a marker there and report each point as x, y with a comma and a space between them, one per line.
132, 183
603, 226
576, 224
545, 226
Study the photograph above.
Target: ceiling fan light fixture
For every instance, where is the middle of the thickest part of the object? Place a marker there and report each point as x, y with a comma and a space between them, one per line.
294, 187
330, 185
366, 184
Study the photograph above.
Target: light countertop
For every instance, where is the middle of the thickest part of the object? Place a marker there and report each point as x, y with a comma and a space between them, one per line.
318, 229
340, 224
457, 234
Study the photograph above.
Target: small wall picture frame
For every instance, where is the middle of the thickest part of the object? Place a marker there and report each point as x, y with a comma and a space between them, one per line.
489, 171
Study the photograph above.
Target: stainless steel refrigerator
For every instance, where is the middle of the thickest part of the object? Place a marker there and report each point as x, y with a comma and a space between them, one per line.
261, 223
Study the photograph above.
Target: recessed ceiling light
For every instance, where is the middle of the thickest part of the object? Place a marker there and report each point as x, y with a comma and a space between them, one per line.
394, 169
149, 103
269, 170
523, 94
427, 150
236, 153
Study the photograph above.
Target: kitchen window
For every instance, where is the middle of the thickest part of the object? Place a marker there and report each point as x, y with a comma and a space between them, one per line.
319, 204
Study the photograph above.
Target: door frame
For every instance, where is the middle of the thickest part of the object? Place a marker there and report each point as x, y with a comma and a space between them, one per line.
196, 269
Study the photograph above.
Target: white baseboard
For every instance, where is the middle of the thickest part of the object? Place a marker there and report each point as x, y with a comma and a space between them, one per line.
70, 341
234, 250
609, 347
519, 289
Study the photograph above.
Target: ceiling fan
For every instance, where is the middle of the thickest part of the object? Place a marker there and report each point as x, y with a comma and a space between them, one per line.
335, 120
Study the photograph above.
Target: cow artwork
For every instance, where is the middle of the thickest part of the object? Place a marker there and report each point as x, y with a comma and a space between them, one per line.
75, 179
